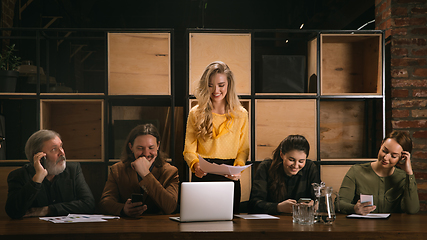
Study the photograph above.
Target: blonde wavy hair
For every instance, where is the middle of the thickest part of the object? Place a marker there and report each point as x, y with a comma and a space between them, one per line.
204, 109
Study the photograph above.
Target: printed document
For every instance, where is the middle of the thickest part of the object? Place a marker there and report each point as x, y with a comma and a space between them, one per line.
75, 218
220, 169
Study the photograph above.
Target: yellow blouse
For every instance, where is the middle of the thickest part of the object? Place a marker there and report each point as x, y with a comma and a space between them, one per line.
230, 139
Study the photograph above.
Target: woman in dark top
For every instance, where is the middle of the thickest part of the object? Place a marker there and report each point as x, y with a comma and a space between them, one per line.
280, 182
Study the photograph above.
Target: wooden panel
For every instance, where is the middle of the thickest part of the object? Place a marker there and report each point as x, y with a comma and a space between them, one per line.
246, 184
342, 129
232, 49
351, 64
276, 119
178, 157
246, 103
159, 116
332, 175
95, 175
4, 172
372, 56
312, 66
80, 124
139, 63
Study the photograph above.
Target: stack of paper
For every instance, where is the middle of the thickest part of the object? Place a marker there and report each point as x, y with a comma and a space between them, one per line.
256, 216
75, 218
221, 169
370, 215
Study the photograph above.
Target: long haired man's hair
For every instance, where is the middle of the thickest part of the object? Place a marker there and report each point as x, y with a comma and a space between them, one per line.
144, 129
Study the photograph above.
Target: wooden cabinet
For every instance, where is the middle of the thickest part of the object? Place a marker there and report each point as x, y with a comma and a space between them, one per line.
332, 175
325, 85
80, 122
92, 87
140, 72
277, 118
351, 64
139, 64
234, 49
345, 71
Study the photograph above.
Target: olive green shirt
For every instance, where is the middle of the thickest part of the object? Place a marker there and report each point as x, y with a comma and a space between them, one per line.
396, 193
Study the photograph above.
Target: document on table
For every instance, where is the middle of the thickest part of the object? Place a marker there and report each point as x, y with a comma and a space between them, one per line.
256, 216
371, 215
220, 169
75, 218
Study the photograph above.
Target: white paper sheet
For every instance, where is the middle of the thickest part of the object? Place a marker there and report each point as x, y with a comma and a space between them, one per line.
222, 169
75, 218
370, 215
256, 216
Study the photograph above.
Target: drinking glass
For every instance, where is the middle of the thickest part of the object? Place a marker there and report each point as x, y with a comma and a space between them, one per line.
305, 214
295, 213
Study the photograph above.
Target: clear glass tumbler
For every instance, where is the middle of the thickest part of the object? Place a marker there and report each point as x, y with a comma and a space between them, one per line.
306, 214
295, 213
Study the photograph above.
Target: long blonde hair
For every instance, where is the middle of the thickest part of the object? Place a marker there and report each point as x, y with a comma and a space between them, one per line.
204, 109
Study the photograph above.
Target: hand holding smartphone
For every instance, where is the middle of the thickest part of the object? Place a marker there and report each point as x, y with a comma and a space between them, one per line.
136, 197
42, 172
367, 198
304, 200
402, 158
42, 160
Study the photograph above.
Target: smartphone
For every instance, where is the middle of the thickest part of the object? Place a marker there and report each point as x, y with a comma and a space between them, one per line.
304, 200
42, 160
367, 198
136, 197
402, 160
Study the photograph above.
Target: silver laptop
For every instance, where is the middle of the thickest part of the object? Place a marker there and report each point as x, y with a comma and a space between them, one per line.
206, 201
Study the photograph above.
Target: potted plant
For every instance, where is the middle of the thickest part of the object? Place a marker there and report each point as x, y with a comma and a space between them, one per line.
9, 63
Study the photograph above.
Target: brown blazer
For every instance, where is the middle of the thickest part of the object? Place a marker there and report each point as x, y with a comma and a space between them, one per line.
160, 189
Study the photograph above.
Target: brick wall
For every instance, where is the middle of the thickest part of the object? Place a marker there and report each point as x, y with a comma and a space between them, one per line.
7, 7
405, 25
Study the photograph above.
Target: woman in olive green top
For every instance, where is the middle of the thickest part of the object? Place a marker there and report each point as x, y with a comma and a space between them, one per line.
393, 189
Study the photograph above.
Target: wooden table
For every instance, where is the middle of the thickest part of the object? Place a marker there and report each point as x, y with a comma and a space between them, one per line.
398, 226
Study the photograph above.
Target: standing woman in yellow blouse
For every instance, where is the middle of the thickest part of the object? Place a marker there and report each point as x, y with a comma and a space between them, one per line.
217, 128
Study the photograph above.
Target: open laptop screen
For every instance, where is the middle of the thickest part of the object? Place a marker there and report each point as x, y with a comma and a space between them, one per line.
206, 201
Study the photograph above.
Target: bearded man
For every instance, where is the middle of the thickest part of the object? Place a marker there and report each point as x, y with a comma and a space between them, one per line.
48, 185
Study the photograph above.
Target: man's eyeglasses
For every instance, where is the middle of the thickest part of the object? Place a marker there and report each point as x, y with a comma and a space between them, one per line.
2, 139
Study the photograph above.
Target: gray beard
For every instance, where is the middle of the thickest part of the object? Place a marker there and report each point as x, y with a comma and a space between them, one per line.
53, 169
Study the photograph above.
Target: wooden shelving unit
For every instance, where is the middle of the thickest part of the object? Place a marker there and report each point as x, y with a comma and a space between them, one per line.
139, 63
80, 123
277, 118
351, 64
232, 48
335, 98
126, 80
337, 103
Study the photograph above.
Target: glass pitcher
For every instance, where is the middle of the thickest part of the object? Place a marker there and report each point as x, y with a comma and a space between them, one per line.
324, 210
